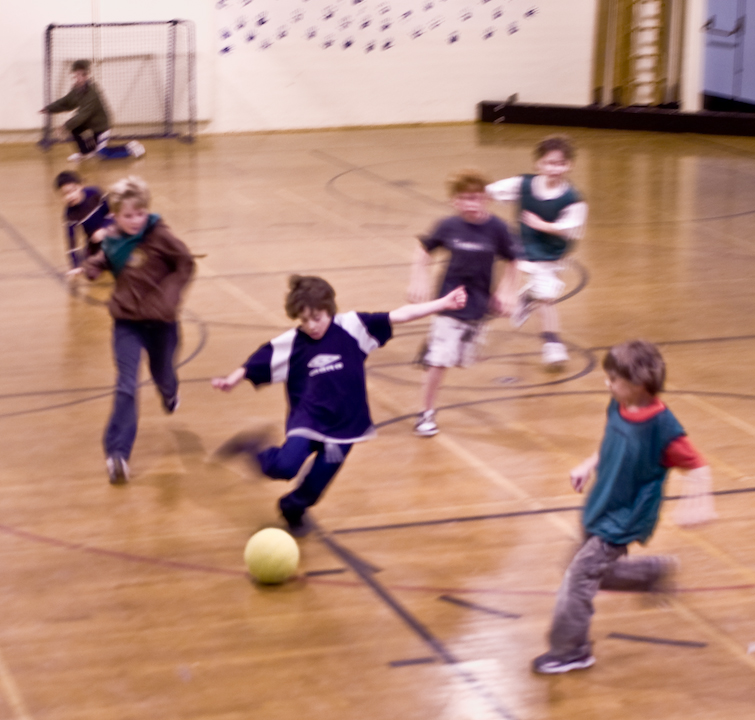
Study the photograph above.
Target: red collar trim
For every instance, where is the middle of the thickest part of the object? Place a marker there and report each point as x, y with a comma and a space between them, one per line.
642, 414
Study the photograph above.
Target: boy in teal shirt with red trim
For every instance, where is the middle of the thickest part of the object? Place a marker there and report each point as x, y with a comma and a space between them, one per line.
642, 441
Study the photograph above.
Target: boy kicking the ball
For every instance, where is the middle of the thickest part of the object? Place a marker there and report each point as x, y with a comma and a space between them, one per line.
322, 363
642, 441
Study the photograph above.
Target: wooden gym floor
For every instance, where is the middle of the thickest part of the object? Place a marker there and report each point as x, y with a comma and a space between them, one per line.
428, 586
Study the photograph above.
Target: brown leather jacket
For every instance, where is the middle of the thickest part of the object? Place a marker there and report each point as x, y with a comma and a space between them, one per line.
149, 287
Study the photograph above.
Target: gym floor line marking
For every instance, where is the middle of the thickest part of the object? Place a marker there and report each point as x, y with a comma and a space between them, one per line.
474, 606
412, 661
312, 576
11, 692
657, 640
359, 566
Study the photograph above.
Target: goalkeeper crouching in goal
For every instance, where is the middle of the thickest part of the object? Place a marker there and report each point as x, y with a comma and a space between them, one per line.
90, 125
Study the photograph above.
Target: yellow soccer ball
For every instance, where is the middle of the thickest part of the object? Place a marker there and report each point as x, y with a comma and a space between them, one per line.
271, 556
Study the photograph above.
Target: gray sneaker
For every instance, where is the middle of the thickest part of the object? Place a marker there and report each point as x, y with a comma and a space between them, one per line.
548, 664
426, 425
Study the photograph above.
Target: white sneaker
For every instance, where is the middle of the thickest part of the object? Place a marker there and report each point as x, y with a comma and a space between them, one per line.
554, 353
135, 148
78, 157
525, 304
426, 425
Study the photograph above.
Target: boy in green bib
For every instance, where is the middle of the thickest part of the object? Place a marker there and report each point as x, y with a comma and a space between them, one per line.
552, 218
642, 441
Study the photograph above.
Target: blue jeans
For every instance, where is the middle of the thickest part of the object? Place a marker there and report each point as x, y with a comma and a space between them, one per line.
160, 340
283, 463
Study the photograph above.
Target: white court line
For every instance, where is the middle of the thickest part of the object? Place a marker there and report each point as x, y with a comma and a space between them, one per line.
11, 692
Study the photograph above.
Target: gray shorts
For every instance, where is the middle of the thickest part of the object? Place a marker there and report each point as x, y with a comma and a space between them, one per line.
454, 343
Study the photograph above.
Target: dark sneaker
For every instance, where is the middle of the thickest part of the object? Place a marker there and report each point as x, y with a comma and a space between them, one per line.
426, 425
171, 405
248, 444
549, 664
117, 470
299, 527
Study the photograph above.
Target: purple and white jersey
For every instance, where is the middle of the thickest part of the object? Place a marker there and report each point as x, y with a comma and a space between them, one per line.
325, 378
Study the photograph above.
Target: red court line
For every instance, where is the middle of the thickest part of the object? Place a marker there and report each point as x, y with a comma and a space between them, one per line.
229, 572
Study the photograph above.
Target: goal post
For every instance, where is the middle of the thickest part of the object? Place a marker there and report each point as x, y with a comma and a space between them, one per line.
146, 73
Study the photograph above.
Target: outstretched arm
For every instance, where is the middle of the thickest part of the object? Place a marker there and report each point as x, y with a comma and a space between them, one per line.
581, 474
227, 383
455, 300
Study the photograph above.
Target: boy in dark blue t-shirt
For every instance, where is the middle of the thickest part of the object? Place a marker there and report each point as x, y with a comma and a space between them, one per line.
642, 441
322, 364
87, 209
475, 239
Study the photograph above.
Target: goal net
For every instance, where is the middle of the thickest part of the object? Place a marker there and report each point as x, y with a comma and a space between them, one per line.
145, 72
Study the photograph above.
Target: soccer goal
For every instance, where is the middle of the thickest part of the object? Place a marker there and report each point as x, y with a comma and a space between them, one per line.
144, 70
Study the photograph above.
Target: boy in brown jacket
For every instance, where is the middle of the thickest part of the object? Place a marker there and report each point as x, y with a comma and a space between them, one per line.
151, 268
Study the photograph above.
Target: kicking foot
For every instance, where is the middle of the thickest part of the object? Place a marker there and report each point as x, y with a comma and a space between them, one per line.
298, 526
249, 444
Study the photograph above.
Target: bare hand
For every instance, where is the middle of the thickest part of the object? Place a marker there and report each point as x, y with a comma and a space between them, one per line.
99, 235
534, 221
456, 299
503, 304
581, 474
222, 384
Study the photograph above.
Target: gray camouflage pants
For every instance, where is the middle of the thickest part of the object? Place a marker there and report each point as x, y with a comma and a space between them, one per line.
598, 565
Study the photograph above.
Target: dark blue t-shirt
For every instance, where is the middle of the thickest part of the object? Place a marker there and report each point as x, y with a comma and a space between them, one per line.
325, 379
474, 248
90, 214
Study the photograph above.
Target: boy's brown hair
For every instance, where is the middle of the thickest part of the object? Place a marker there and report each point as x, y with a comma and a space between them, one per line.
84, 65
309, 291
129, 188
466, 181
638, 361
552, 143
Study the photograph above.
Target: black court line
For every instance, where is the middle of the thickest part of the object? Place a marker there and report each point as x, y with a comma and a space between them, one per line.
502, 516
452, 520
359, 566
591, 362
412, 661
318, 573
48, 268
531, 396
657, 640
474, 606
203, 335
